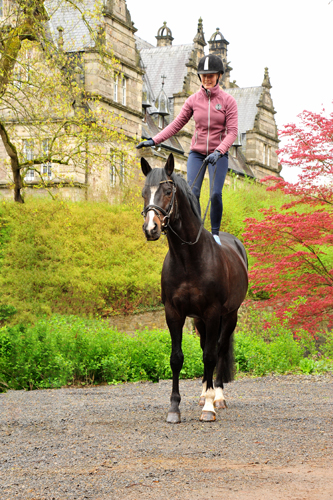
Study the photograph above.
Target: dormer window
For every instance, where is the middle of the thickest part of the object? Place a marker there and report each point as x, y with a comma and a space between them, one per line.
162, 105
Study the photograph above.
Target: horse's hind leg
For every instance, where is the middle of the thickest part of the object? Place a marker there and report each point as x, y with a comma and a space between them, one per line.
175, 324
225, 363
210, 359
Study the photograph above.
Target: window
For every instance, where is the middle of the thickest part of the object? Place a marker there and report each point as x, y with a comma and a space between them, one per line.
115, 88
46, 168
28, 153
113, 170
122, 169
124, 83
267, 154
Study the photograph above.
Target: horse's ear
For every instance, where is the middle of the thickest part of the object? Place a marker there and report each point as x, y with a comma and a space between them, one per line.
145, 167
170, 165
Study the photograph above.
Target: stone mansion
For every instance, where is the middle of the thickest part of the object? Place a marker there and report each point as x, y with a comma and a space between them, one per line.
148, 91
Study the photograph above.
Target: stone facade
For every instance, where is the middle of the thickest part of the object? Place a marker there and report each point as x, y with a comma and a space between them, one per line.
131, 90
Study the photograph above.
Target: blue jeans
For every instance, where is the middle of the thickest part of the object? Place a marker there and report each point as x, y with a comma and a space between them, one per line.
194, 163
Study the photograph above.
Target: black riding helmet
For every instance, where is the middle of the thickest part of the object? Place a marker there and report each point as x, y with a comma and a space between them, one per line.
210, 64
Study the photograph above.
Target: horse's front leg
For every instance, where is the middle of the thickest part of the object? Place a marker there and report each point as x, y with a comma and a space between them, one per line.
210, 359
201, 328
175, 323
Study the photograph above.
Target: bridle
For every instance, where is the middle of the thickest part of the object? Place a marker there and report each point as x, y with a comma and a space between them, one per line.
167, 213
160, 211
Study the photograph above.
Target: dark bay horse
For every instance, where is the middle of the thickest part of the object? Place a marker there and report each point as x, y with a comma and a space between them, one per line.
200, 279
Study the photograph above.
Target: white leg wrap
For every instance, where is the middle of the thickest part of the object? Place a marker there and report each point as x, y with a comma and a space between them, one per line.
218, 394
204, 388
209, 403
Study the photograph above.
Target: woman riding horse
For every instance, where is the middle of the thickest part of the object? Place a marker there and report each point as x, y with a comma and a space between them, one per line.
200, 279
216, 127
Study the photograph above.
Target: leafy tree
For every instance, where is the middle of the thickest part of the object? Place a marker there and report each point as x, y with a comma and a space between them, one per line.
47, 118
293, 247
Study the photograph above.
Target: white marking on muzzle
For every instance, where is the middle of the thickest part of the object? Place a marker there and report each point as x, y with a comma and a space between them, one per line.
151, 213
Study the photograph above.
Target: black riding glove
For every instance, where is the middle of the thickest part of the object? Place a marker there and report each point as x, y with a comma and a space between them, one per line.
146, 144
212, 158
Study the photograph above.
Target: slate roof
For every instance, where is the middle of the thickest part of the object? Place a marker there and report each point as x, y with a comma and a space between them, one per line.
169, 61
142, 44
247, 100
239, 166
76, 35
150, 129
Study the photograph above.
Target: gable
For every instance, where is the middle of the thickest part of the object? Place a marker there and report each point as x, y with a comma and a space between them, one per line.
247, 100
169, 61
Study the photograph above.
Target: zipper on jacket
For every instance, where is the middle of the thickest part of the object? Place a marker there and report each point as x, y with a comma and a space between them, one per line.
208, 123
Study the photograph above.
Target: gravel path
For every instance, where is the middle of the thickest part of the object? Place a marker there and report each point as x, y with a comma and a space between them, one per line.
112, 442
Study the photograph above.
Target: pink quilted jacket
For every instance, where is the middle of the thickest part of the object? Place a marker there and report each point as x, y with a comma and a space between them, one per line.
216, 121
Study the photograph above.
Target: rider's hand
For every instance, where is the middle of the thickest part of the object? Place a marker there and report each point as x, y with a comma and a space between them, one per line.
146, 144
212, 158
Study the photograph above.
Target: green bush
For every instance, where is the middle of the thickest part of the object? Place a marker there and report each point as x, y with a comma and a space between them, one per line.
63, 350
67, 349
275, 349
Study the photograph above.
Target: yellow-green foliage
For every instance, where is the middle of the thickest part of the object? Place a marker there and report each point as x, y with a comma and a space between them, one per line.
243, 199
76, 258
92, 258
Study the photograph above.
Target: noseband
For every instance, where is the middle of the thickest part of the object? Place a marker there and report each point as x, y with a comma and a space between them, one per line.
159, 210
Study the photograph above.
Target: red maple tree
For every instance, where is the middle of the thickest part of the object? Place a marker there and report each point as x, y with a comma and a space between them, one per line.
293, 246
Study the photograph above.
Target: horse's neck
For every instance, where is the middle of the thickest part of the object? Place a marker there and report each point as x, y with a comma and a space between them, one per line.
186, 225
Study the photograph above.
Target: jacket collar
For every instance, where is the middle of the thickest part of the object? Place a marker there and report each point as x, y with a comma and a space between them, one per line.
211, 92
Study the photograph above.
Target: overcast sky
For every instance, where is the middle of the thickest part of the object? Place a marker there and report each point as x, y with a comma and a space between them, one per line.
293, 38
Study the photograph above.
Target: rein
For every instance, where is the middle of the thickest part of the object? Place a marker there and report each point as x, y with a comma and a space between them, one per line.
167, 213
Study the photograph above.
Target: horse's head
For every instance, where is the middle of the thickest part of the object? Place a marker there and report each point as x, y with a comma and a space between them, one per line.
159, 196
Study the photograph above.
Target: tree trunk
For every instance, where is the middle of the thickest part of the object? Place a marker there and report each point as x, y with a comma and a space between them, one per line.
17, 181
14, 162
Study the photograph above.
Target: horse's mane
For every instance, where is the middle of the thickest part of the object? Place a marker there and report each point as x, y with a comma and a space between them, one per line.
159, 174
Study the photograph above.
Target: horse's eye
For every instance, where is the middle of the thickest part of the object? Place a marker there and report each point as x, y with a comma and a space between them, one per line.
168, 192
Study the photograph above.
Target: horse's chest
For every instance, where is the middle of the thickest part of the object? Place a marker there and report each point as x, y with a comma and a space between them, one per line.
186, 296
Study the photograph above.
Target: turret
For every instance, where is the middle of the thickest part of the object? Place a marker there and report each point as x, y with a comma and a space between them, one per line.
164, 36
218, 46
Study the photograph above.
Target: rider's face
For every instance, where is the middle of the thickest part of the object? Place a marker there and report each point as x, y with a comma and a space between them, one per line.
209, 81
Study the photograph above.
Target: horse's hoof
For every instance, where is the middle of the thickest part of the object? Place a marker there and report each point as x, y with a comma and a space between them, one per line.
220, 404
173, 418
207, 416
202, 401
